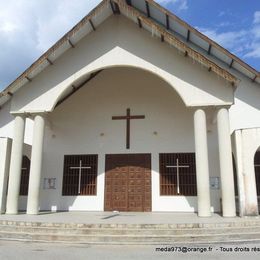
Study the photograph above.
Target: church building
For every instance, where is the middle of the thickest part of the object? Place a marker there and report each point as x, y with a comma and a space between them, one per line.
132, 110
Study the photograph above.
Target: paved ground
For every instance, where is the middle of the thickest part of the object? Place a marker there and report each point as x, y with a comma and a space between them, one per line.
10, 250
122, 218
24, 251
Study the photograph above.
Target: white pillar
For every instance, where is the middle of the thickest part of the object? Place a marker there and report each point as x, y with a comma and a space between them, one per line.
226, 165
202, 165
245, 145
238, 155
5, 155
15, 166
36, 165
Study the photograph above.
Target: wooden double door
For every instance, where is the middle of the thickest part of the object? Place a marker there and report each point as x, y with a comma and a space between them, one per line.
128, 182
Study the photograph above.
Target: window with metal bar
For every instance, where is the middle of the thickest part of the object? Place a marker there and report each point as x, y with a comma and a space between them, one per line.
178, 174
80, 175
24, 186
235, 175
257, 172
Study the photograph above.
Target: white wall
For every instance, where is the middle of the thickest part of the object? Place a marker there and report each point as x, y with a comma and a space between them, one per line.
119, 42
245, 113
83, 125
6, 121
246, 142
7, 124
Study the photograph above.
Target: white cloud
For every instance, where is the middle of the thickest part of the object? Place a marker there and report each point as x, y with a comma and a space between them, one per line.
254, 45
244, 43
7, 27
164, 2
221, 13
183, 5
67, 13
254, 52
180, 4
257, 17
28, 28
227, 39
256, 31
225, 24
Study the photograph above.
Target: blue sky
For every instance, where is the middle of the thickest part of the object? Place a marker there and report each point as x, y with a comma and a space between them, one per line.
29, 27
235, 24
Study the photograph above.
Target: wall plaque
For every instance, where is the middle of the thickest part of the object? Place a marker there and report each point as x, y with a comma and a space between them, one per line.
49, 184
214, 183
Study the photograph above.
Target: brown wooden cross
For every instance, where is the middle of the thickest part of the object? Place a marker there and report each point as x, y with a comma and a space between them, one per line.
128, 117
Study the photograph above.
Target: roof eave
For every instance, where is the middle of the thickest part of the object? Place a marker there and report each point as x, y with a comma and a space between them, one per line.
211, 42
45, 56
122, 4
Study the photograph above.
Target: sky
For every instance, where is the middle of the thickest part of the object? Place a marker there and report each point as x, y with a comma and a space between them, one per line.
28, 28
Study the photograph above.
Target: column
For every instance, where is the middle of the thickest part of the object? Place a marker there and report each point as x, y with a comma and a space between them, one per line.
245, 144
238, 155
5, 155
15, 166
202, 165
36, 165
226, 165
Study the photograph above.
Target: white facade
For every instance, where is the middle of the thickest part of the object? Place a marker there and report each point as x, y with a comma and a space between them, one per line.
168, 127
151, 78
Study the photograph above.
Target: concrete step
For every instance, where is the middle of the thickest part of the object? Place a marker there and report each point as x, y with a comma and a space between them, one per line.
129, 239
235, 224
127, 231
130, 233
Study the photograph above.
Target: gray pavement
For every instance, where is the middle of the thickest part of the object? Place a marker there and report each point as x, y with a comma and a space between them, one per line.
122, 218
42, 251
10, 250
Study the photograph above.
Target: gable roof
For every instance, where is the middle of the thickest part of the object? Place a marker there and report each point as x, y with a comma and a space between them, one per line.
152, 17
196, 39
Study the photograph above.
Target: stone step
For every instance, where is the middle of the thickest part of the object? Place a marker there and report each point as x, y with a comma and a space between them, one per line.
130, 233
126, 231
237, 224
130, 239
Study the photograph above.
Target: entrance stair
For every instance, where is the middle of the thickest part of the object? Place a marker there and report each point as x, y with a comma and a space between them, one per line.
166, 234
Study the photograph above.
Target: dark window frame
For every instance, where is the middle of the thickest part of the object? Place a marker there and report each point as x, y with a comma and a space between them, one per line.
25, 176
88, 183
257, 172
235, 175
168, 176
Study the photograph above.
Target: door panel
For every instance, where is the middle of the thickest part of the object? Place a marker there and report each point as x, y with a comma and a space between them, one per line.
128, 182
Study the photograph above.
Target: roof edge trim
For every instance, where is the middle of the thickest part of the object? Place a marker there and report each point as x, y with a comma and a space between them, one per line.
179, 44
206, 38
65, 37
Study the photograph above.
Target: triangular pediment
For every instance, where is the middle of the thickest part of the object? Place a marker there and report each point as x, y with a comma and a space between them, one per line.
149, 21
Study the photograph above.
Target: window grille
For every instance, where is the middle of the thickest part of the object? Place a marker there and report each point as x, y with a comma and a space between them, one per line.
257, 172
24, 186
80, 175
178, 174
